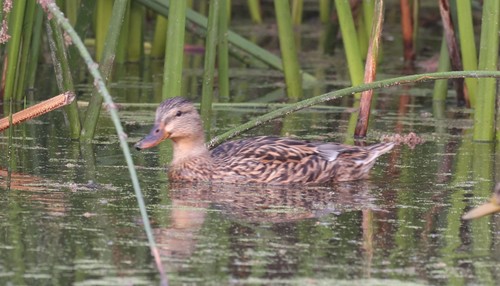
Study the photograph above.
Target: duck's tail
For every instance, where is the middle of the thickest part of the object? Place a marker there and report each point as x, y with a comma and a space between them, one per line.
380, 148
375, 151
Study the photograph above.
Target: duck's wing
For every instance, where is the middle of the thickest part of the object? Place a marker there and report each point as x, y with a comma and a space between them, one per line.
284, 160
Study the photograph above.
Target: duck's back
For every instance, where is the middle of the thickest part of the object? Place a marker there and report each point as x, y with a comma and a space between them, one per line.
275, 160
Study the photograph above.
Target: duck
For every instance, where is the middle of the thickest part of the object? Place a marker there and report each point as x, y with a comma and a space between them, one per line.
493, 206
266, 160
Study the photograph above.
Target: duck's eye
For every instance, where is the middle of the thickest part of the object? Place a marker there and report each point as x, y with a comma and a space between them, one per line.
178, 114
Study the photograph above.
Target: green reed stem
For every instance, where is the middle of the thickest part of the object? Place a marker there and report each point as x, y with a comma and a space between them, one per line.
123, 40
324, 11
238, 45
135, 44
71, 11
35, 48
370, 69
351, 46
16, 18
101, 86
174, 52
297, 11
29, 19
105, 68
291, 66
63, 74
410, 79
207, 88
484, 113
255, 12
441, 86
160, 37
82, 27
223, 53
103, 10
467, 45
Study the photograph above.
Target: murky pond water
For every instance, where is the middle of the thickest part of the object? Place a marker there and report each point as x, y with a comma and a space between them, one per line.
70, 215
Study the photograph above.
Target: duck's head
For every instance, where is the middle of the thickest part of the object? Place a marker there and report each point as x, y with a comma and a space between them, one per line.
177, 119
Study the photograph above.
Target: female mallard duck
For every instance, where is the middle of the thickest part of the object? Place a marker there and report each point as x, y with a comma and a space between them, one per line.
493, 206
266, 159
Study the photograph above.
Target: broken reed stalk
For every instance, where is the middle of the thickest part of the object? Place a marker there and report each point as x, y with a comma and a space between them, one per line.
370, 69
101, 87
38, 109
451, 40
410, 79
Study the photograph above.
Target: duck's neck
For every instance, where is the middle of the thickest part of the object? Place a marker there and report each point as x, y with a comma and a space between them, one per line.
188, 148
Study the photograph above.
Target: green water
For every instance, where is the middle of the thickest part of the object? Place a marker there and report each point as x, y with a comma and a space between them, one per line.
69, 215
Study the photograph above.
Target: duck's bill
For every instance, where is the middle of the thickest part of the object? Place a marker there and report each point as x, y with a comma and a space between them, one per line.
154, 138
482, 210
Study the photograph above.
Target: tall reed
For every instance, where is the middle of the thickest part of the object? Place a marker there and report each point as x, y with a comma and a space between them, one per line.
207, 88
467, 46
223, 53
441, 86
370, 69
484, 112
350, 40
238, 46
27, 35
255, 12
174, 52
63, 74
103, 11
10, 76
135, 43
288, 51
105, 68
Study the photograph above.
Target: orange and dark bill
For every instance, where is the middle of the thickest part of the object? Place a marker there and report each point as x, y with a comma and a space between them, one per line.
154, 138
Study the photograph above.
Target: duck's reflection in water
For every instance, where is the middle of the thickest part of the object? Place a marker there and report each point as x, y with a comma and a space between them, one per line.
250, 208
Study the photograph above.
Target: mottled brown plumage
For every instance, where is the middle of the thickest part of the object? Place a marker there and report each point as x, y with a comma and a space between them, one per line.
265, 159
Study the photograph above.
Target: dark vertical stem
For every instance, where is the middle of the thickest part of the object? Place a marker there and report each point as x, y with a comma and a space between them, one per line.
407, 28
453, 50
370, 69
